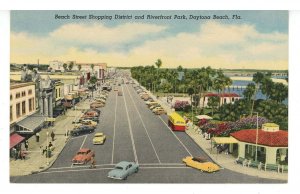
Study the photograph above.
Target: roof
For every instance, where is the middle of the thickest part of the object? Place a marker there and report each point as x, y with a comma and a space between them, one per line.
222, 95
15, 139
32, 122
224, 140
176, 117
123, 164
272, 139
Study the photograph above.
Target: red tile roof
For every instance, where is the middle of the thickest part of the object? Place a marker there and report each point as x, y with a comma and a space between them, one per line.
222, 95
272, 139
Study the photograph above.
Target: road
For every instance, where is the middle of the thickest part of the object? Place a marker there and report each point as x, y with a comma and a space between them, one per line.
134, 133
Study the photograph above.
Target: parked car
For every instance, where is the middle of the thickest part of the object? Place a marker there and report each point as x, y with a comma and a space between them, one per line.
91, 114
96, 105
86, 122
123, 169
201, 164
120, 93
84, 129
157, 108
99, 138
154, 106
96, 110
83, 156
160, 111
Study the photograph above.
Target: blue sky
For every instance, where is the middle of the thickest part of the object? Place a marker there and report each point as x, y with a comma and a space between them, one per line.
258, 38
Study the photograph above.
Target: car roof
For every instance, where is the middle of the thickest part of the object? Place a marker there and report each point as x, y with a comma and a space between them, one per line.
98, 134
123, 164
83, 150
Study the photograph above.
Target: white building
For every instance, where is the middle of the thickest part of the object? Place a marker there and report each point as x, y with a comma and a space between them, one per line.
56, 66
225, 98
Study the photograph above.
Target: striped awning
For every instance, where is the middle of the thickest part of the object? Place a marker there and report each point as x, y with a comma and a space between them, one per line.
31, 123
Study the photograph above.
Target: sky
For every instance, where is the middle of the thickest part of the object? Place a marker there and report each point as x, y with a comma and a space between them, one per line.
258, 40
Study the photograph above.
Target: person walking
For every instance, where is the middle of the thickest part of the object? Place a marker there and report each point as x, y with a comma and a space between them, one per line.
14, 153
52, 135
26, 145
93, 162
37, 136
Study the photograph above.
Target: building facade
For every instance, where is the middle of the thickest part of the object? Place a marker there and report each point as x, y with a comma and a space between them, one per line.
22, 101
225, 98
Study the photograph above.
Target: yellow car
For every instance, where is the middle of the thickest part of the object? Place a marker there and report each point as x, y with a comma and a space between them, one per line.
86, 122
99, 138
200, 164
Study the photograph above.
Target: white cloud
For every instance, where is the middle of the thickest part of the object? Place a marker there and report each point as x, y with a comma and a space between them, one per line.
98, 34
214, 44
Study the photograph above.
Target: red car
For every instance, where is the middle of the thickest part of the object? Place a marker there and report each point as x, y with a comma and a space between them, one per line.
83, 156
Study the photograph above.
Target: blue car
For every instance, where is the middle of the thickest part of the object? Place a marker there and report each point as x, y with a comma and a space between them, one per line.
123, 169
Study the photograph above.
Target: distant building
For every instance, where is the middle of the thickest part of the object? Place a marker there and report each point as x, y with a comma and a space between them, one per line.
225, 98
56, 66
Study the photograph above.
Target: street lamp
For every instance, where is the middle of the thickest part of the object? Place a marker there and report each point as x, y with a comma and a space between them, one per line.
256, 139
47, 147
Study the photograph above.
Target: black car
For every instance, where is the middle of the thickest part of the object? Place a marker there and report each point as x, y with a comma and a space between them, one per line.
82, 130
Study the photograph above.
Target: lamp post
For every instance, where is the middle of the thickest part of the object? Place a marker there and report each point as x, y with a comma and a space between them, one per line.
256, 139
47, 147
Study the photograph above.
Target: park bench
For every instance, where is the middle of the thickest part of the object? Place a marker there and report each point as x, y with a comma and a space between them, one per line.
271, 167
241, 160
284, 168
255, 164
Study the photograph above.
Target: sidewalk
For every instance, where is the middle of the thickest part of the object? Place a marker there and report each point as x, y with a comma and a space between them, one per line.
223, 160
227, 161
36, 162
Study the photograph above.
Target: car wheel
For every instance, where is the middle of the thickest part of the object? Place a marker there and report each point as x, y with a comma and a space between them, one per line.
125, 178
136, 170
85, 162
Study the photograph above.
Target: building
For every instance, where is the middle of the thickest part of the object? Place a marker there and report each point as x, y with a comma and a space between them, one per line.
225, 98
99, 70
22, 102
56, 65
272, 144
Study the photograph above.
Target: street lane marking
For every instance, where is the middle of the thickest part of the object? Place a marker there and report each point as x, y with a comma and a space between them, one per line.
83, 141
175, 136
130, 129
113, 147
99, 169
143, 125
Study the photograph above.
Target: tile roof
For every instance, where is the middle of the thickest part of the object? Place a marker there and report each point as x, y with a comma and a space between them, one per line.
272, 139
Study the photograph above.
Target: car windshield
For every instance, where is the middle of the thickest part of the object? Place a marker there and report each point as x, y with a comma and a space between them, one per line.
81, 153
100, 135
119, 167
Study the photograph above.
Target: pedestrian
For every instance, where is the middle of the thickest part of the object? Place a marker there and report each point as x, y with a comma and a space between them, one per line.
37, 136
93, 162
45, 150
22, 155
26, 145
50, 145
14, 153
52, 135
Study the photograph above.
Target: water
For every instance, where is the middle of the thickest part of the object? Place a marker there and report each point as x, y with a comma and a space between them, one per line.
238, 87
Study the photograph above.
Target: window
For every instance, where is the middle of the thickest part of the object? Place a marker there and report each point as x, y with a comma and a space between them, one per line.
232, 99
224, 100
30, 92
11, 97
11, 113
23, 107
18, 110
23, 93
56, 93
31, 104
59, 93
18, 95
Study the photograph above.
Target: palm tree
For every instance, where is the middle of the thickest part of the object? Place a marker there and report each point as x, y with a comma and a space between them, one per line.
258, 77
92, 66
71, 65
213, 103
158, 64
79, 67
65, 66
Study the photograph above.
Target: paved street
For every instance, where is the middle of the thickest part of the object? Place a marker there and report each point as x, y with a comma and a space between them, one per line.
134, 133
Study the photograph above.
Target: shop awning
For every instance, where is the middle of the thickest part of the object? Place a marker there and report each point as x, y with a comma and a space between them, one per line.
15, 139
224, 140
31, 123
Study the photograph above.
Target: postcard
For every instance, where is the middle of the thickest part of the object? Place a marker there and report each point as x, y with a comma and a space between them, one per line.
149, 96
